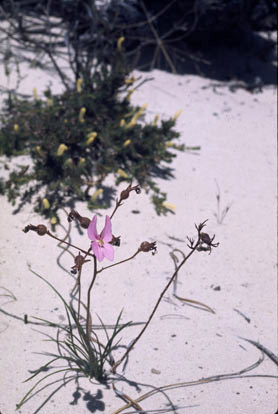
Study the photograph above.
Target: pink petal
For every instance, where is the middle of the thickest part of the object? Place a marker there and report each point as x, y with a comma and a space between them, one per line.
98, 251
106, 234
92, 229
108, 251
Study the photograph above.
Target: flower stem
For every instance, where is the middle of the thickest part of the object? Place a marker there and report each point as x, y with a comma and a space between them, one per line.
69, 244
89, 299
122, 261
157, 303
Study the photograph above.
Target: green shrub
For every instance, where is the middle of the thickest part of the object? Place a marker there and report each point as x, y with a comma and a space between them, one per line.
77, 138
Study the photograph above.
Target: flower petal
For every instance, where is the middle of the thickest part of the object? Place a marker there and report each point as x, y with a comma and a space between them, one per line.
98, 251
106, 234
108, 251
92, 229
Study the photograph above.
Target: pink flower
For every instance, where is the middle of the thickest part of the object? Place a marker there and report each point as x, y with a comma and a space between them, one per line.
100, 242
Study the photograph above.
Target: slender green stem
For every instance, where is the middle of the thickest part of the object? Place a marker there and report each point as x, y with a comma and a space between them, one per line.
79, 293
89, 299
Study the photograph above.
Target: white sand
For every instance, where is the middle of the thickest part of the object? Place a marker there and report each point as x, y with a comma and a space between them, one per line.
237, 135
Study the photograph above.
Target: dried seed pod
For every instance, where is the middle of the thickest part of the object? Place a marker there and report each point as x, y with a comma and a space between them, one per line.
205, 238
147, 247
84, 222
116, 240
124, 194
41, 229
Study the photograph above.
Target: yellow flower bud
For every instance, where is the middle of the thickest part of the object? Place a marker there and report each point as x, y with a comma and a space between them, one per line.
45, 203
119, 43
61, 149
130, 81
39, 150
49, 102
122, 123
177, 114
126, 143
143, 107
129, 94
81, 162
81, 115
169, 206
136, 116
53, 220
122, 173
96, 194
69, 163
65, 121
35, 94
131, 124
155, 120
79, 85
16, 128
91, 137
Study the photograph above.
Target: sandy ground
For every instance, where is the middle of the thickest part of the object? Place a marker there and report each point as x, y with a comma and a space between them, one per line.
237, 135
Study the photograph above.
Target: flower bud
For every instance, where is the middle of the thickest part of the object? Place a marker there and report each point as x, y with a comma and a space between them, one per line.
177, 114
169, 206
84, 221
119, 43
79, 85
122, 173
155, 120
81, 115
116, 240
147, 247
53, 220
91, 138
124, 194
41, 229
81, 162
16, 127
35, 94
61, 149
126, 143
45, 203
96, 194
205, 238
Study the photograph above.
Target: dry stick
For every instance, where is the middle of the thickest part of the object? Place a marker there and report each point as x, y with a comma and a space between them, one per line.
159, 41
207, 380
194, 302
157, 304
127, 399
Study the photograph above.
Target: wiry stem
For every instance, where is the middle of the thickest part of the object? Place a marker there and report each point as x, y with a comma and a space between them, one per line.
193, 248
122, 261
89, 299
69, 244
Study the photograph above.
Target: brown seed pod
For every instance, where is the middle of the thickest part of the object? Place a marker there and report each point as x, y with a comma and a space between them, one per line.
41, 229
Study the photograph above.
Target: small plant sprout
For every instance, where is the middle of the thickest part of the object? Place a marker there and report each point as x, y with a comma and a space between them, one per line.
77, 342
220, 214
